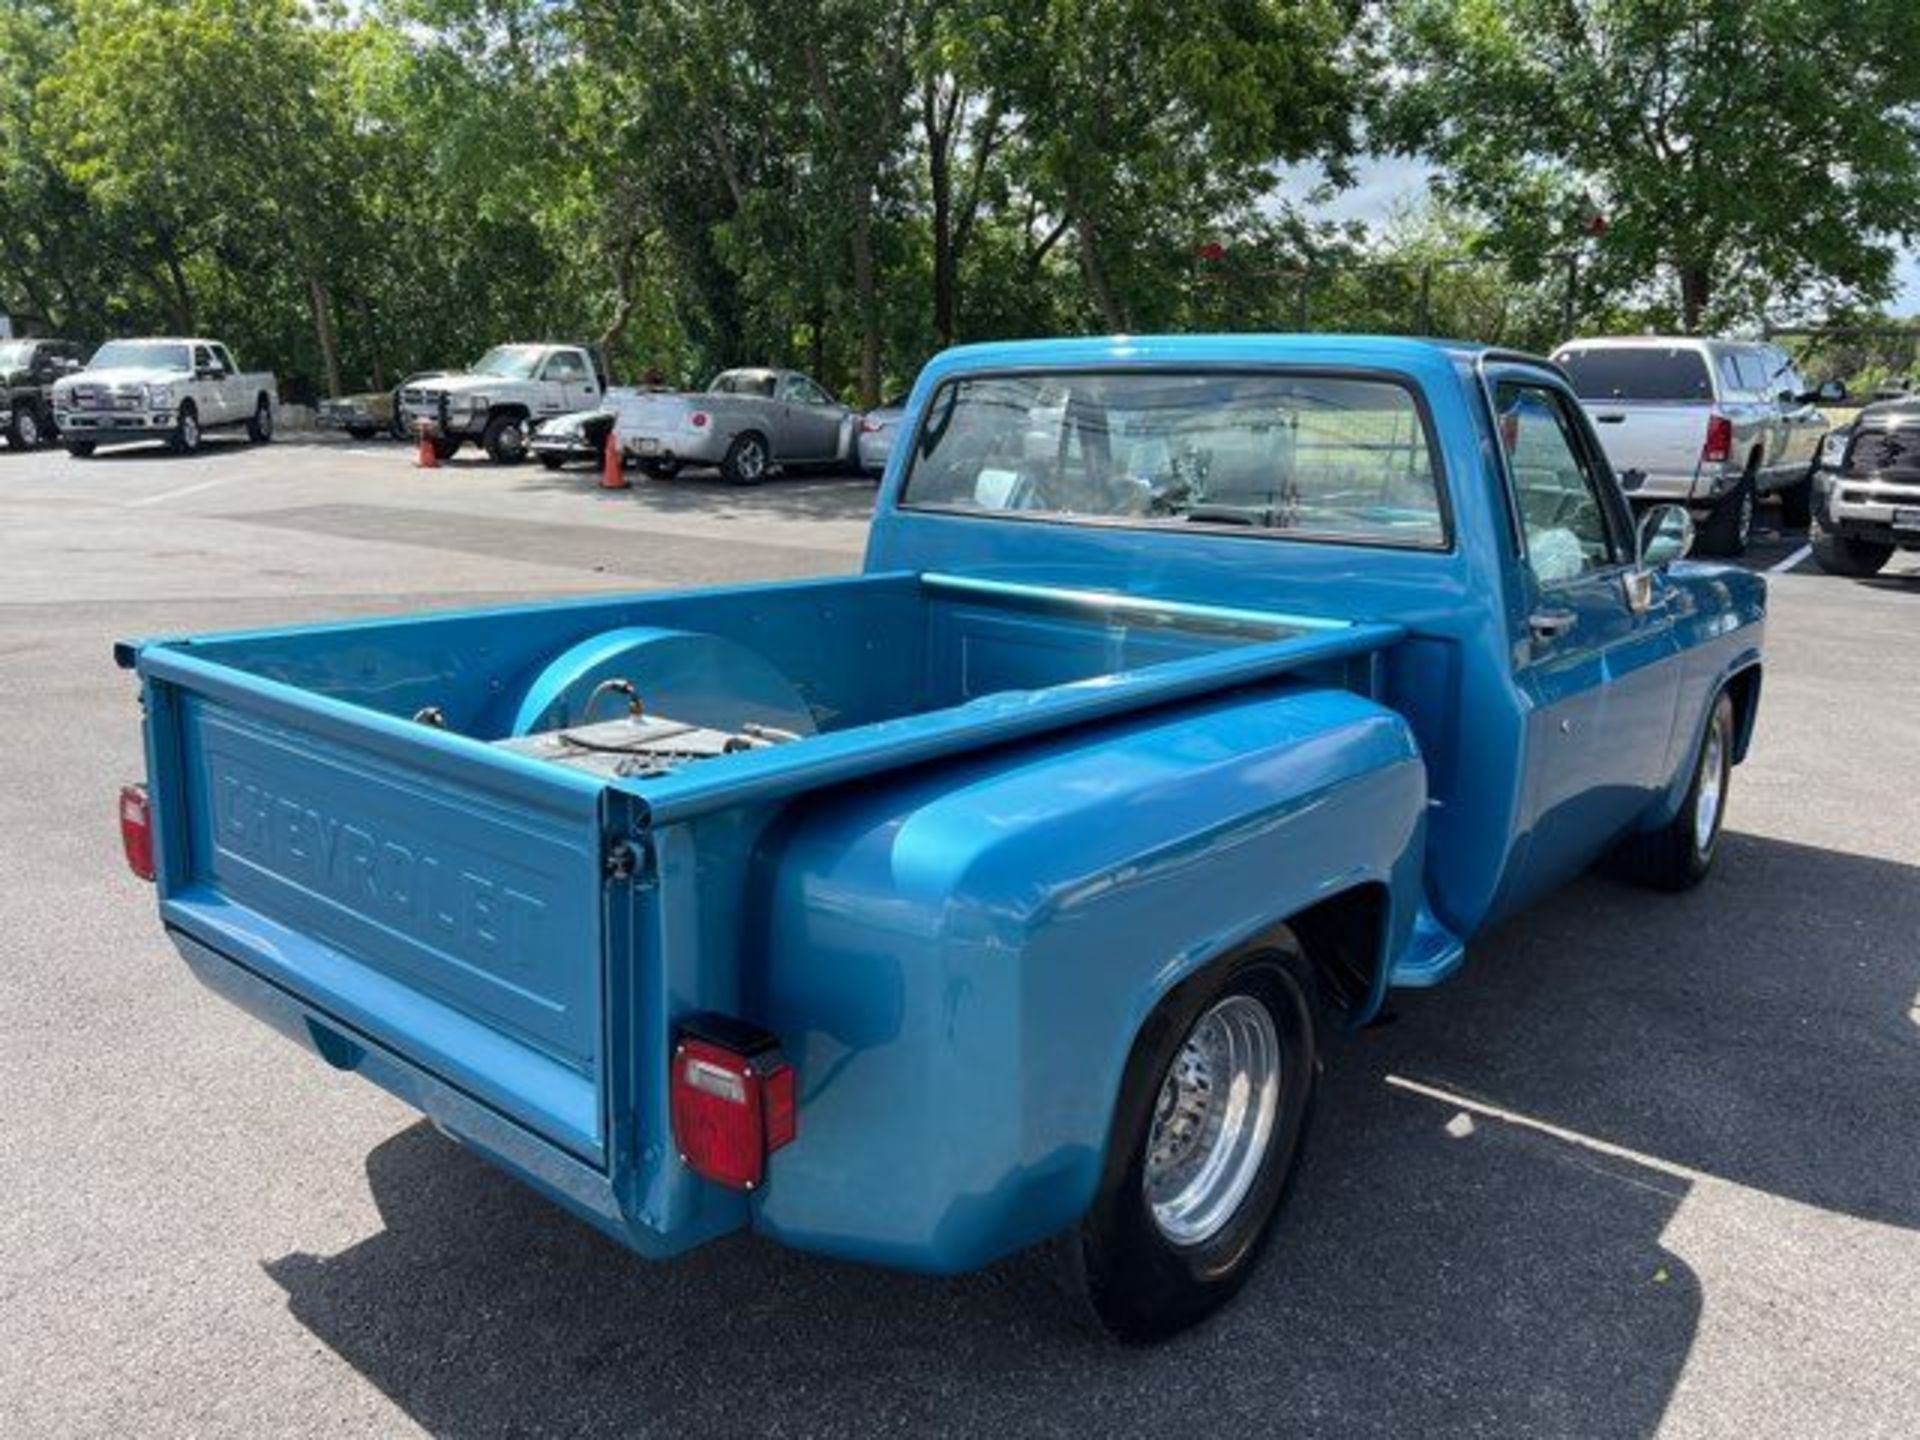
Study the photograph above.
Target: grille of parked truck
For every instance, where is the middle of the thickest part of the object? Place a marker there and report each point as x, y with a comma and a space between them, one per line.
498, 402
1866, 495
170, 389
1716, 425
1197, 693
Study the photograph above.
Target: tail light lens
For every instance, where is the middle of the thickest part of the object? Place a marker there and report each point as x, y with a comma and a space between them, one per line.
1719, 438
136, 829
733, 1105
869, 427
698, 419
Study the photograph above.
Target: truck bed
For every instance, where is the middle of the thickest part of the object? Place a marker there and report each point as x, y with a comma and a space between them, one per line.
353, 817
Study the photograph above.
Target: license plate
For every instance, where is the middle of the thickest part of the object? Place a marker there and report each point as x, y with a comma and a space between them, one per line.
1906, 519
646, 447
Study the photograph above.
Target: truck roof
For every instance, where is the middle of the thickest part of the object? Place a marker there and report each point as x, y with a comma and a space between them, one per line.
1252, 347
1706, 344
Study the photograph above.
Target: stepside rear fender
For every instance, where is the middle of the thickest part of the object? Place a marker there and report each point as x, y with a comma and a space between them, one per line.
958, 961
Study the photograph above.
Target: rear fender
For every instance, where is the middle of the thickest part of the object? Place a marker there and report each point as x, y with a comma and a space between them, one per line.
958, 963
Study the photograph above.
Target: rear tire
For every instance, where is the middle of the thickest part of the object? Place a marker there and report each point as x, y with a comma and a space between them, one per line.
1190, 1190
746, 462
80, 449
27, 432
260, 425
553, 462
445, 447
659, 469
505, 439
1855, 559
1730, 526
1678, 855
362, 433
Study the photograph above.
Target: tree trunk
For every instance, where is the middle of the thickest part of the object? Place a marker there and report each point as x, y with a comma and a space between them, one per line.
180, 302
940, 184
866, 297
322, 308
1087, 241
1696, 289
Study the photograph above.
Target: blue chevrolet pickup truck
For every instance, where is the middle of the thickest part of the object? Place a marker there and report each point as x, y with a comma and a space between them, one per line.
1196, 693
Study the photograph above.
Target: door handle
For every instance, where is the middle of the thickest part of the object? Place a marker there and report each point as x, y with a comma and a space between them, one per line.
1610, 419
1550, 624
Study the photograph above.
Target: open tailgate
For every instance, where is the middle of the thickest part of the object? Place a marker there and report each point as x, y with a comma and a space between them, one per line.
439, 898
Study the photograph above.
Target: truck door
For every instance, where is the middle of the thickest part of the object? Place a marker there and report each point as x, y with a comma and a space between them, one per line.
1598, 668
813, 420
569, 384
209, 387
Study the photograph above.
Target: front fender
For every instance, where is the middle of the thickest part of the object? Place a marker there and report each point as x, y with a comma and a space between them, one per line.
958, 963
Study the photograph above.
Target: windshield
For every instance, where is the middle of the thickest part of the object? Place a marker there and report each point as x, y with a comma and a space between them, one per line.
513, 362
1314, 456
140, 355
1637, 372
15, 353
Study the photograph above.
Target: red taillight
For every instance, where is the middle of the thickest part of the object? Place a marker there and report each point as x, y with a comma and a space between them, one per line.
136, 830
869, 427
698, 419
730, 1110
1719, 438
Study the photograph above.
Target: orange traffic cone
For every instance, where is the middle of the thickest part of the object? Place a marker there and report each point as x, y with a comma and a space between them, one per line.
613, 474
428, 458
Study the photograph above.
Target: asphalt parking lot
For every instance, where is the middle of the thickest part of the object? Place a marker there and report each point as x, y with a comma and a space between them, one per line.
1650, 1167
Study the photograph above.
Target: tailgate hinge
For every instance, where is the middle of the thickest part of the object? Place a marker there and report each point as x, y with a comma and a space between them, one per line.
628, 860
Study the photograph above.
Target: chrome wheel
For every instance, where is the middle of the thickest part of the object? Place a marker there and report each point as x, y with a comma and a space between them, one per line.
752, 461
189, 431
26, 430
1712, 788
1213, 1120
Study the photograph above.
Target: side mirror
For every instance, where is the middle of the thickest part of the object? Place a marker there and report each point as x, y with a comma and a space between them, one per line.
1831, 393
1665, 535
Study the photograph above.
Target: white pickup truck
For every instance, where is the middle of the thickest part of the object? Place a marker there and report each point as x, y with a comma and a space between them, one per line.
1716, 425
499, 401
168, 389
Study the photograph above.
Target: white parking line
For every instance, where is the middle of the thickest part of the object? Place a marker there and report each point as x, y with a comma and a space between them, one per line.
1792, 560
183, 490
1543, 1127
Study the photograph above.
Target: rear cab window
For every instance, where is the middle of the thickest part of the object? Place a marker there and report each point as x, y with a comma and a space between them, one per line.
1632, 373
1298, 456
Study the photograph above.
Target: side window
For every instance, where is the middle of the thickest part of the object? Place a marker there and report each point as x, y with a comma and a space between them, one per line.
1561, 508
202, 358
802, 391
1753, 372
565, 365
1730, 382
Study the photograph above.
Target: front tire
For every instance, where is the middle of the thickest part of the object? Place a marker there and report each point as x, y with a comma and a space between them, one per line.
552, 461
1855, 559
505, 439
1679, 854
260, 425
80, 449
746, 462
445, 447
1796, 505
1206, 1136
186, 431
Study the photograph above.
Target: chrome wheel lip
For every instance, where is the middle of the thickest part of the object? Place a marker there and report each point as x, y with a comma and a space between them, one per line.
1712, 788
28, 429
1214, 1121
263, 419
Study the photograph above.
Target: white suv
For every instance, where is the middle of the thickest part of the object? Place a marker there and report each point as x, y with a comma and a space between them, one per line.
1716, 425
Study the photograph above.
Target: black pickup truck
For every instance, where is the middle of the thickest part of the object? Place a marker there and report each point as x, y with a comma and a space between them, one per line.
28, 369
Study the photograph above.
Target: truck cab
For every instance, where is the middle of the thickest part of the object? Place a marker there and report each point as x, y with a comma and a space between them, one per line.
173, 389
28, 370
1196, 693
507, 392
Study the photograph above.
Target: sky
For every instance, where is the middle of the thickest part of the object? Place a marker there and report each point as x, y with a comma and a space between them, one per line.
1381, 183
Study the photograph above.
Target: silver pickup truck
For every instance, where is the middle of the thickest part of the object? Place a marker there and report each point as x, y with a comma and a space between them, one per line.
1716, 425
746, 422
1866, 494
168, 389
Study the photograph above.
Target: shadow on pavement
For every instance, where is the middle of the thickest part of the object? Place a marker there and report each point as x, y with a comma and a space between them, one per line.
841, 495
1428, 1277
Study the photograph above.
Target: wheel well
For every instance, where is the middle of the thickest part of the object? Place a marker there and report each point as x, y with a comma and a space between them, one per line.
262, 398
1345, 938
507, 412
1744, 690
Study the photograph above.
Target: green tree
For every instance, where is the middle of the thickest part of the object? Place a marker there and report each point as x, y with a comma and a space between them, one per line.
1738, 150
